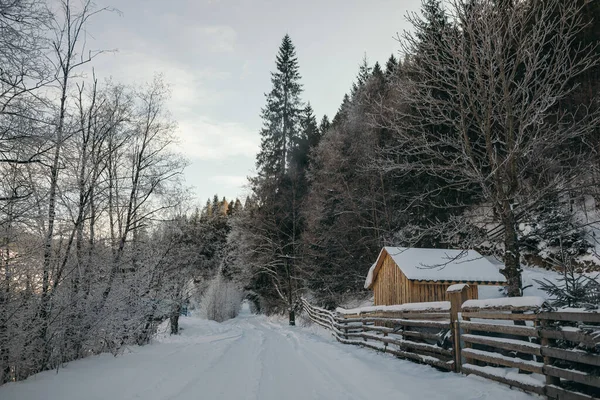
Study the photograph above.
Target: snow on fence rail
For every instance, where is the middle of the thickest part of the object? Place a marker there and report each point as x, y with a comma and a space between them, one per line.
437, 306
496, 339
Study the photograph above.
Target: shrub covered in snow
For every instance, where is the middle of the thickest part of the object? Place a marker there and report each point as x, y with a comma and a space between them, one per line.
222, 300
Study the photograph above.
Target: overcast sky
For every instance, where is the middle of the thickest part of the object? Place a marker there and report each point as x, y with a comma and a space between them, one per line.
217, 56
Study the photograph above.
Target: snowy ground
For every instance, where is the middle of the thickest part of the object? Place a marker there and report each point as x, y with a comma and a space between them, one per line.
251, 357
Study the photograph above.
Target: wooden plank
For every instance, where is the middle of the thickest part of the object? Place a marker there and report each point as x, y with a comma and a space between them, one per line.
405, 344
374, 328
505, 344
572, 375
550, 380
409, 315
558, 393
430, 360
503, 308
495, 358
571, 355
443, 324
472, 369
449, 366
419, 335
571, 316
497, 328
573, 336
500, 315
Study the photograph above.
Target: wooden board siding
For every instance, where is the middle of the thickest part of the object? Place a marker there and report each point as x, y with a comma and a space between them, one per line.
392, 287
432, 291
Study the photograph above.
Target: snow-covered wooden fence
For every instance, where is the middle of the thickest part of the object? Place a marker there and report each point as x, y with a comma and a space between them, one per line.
516, 341
419, 331
560, 349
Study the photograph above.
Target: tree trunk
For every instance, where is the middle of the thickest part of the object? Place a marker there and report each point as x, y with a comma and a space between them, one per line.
512, 267
174, 318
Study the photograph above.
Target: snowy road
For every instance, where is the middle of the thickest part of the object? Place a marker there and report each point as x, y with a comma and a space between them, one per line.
250, 357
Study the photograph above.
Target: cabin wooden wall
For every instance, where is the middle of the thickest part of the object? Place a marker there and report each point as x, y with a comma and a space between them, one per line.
392, 287
430, 291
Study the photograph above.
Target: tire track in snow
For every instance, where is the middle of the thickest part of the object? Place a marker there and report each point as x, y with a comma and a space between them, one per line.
316, 377
175, 370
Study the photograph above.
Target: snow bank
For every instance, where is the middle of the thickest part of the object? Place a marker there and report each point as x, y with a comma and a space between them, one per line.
506, 303
430, 306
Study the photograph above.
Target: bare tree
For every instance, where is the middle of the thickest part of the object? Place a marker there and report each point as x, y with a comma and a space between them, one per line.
68, 56
497, 131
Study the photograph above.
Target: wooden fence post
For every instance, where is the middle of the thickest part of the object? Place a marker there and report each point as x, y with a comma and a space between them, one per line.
545, 342
458, 295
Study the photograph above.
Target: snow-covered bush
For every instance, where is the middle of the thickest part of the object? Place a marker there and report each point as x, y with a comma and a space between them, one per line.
222, 300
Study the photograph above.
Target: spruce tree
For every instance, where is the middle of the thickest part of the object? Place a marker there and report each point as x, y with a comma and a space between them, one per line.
377, 71
340, 116
274, 224
433, 22
324, 125
364, 72
390, 67
310, 127
378, 76
281, 115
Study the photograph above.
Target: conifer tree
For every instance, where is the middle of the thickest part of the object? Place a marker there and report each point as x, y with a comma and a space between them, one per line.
377, 71
281, 115
364, 72
310, 127
390, 66
272, 227
342, 111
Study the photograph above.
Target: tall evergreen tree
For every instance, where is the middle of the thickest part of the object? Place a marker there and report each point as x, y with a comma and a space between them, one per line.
433, 22
272, 229
281, 115
364, 72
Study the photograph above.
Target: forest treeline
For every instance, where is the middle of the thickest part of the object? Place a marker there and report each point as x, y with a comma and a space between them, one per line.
480, 131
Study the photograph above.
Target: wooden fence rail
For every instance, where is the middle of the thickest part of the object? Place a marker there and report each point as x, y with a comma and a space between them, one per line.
416, 335
517, 342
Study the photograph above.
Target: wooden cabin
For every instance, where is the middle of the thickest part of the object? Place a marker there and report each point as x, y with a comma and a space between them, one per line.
409, 275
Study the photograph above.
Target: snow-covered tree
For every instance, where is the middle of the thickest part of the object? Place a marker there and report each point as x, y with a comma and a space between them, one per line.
479, 109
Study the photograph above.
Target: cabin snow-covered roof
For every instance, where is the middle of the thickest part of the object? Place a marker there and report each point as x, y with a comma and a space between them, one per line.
438, 265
